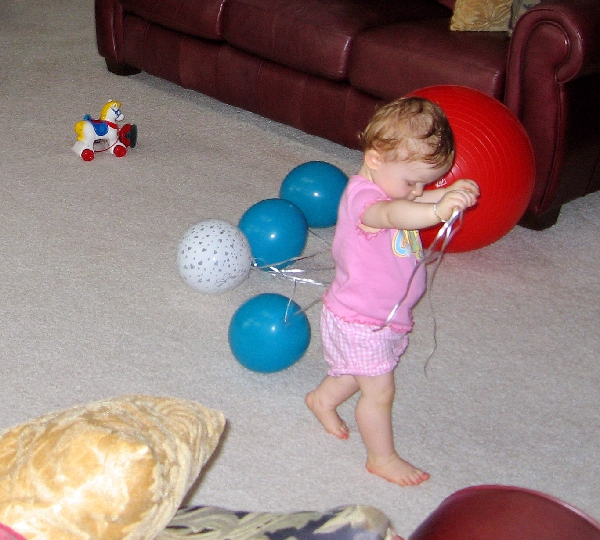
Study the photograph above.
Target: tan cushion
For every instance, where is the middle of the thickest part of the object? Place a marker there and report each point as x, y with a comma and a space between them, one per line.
481, 15
113, 469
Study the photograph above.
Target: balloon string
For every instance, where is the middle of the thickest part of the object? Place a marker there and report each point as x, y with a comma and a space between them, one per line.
433, 254
298, 311
293, 273
286, 317
273, 267
289, 274
455, 219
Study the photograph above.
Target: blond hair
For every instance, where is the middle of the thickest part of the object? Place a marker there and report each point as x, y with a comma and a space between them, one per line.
411, 129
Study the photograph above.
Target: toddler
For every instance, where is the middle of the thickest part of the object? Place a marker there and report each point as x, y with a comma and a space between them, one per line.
407, 145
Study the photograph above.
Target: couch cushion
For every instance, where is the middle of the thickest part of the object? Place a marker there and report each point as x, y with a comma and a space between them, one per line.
313, 36
481, 15
202, 18
393, 61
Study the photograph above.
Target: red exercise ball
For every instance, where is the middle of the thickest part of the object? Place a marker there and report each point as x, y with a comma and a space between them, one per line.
493, 149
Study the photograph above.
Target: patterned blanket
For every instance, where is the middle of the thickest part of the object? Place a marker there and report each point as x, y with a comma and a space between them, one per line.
355, 522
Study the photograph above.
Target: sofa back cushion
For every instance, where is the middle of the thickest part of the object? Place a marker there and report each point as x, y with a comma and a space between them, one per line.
313, 36
201, 18
393, 61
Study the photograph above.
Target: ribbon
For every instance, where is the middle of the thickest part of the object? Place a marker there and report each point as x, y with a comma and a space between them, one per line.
433, 254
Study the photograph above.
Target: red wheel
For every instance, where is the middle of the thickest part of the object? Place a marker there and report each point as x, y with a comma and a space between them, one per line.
87, 155
119, 150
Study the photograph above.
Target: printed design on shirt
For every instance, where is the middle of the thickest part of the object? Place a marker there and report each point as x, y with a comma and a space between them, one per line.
407, 243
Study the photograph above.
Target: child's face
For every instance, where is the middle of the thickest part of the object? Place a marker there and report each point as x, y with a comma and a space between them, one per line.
405, 179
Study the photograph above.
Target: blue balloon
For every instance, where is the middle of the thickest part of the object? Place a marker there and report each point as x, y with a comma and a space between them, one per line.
316, 188
269, 333
276, 230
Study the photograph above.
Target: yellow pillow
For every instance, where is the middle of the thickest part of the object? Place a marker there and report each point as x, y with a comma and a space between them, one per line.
113, 469
481, 15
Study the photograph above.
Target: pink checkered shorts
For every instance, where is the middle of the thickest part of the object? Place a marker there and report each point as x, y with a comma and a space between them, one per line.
355, 349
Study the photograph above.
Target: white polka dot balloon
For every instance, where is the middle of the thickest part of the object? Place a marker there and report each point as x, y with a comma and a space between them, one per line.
214, 256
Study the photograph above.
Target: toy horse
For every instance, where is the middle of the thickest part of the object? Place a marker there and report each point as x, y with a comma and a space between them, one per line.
104, 134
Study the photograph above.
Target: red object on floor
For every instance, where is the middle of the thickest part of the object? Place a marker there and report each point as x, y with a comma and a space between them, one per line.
493, 149
505, 513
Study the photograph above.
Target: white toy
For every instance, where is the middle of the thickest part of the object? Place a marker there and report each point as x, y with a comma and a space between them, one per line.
104, 134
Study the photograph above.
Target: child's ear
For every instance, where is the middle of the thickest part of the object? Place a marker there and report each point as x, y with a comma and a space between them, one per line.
372, 159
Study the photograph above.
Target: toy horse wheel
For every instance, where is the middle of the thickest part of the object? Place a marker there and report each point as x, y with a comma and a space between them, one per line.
119, 150
128, 135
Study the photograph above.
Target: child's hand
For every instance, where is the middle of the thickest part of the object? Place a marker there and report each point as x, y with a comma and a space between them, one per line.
465, 185
456, 199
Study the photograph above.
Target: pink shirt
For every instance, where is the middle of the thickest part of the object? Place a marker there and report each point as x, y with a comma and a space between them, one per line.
373, 270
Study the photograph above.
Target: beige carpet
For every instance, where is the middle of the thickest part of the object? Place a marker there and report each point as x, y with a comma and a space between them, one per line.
93, 306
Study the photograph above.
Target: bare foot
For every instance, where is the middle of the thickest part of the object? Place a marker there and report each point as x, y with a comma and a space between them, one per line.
398, 471
328, 417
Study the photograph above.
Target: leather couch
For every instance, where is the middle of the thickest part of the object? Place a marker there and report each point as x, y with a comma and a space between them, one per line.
323, 66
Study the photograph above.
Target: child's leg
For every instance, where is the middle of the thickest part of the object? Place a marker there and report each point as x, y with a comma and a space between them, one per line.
374, 418
325, 399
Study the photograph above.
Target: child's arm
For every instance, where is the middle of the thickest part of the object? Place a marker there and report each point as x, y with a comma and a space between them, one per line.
405, 214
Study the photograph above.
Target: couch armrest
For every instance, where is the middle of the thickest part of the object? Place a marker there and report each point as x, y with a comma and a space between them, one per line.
566, 31
553, 44
109, 29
